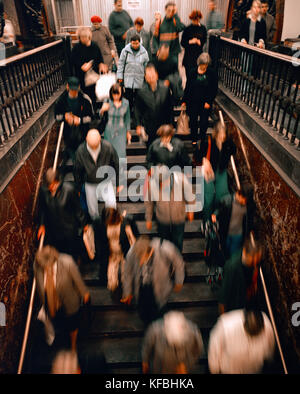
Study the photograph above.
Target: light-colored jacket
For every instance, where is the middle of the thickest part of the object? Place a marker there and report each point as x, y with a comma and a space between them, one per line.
162, 357
145, 38
131, 67
232, 351
166, 259
70, 287
105, 42
170, 202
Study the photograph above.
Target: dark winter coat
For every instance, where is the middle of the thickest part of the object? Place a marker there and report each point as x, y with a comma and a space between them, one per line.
193, 51
62, 214
153, 109
74, 135
260, 30
85, 169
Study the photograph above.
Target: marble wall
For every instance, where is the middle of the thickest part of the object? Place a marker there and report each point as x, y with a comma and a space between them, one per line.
17, 248
279, 211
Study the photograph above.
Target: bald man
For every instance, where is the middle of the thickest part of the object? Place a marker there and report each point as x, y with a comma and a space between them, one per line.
97, 167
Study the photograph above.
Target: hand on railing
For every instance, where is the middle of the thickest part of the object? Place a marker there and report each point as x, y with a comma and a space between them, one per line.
41, 232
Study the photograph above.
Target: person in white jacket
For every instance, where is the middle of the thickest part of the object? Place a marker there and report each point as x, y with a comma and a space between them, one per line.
240, 343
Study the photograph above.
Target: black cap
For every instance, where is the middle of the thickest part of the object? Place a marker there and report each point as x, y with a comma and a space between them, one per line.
73, 83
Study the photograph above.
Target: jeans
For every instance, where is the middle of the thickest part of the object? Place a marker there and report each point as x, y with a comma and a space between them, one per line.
103, 191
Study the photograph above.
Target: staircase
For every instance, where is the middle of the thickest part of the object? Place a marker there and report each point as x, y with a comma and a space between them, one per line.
116, 329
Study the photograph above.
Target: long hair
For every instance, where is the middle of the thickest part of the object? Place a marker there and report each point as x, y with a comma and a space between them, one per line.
111, 216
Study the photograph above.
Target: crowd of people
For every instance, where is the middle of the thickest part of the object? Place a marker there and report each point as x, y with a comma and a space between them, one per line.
133, 267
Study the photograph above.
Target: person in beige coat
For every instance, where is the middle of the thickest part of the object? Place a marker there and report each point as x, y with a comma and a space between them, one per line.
105, 41
61, 289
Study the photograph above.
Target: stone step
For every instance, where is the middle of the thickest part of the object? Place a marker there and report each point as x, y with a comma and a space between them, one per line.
194, 271
192, 294
137, 210
120, 353
123, 323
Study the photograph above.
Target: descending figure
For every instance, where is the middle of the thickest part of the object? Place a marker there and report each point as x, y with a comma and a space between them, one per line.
119, 22
105, 41
61, 218
61, 289
152, 270
241, 342
172, 345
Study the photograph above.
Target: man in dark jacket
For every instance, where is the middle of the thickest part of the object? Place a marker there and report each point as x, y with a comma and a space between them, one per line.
76, 110
235, 214
199, 94
61, 218
119, 22
97, 167
153, 106
241, 271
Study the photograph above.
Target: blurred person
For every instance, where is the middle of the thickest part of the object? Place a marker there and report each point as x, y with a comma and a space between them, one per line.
240, 281
167, 150
253, 28
131, 70
169, 29
153, 268
154, 30
270, 22
153, 106
61, 218
172, 345
241, 342
144, 35
87, 56
9, 35
119, 22
235, 215
169, 193
75, 109
117, 130
65, 363
214, 155
105, 41
61, 289
85, 361
91, 156
114, 235
199, 95
193, 40
214, 19
167, 69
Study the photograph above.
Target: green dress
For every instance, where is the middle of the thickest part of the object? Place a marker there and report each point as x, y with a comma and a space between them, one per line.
117, 126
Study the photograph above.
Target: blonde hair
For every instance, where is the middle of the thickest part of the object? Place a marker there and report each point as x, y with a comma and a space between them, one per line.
84, 30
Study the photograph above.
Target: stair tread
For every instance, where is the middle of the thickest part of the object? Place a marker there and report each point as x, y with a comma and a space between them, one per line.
191, 293
106, 323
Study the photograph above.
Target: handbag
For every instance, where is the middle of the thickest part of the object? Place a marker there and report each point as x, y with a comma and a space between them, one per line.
91, 77
103, 85
183, 124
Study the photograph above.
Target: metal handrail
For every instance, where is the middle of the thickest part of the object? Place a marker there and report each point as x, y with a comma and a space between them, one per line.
260, 269
28, 53
276, 55
33, 289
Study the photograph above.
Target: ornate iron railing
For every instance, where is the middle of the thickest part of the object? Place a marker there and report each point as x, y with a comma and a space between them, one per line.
267, 82
27, 81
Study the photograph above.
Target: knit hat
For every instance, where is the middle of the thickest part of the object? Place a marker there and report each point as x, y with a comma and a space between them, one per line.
96, 19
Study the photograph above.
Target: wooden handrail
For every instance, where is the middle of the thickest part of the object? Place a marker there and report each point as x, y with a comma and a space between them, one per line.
33, 289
